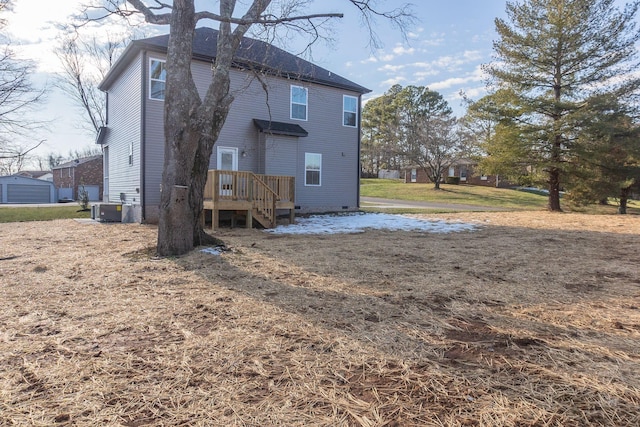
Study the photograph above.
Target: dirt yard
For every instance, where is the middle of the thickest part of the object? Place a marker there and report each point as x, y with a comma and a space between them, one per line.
531, 320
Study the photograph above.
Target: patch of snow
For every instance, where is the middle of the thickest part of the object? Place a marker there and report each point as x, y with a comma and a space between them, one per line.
217, 250
359, 222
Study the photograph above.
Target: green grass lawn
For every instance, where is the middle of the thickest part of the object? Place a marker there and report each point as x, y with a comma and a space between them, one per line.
475, 195
458, 194
22, 214
384, 188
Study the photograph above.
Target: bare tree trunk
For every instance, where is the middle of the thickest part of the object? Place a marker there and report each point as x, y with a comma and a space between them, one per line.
192, 127
624, 198
554, 177
554, 190
177, 219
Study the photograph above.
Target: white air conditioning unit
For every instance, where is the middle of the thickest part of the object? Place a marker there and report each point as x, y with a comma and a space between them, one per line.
110, 212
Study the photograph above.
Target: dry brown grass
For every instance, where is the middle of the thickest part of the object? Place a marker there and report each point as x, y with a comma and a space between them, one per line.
533, 320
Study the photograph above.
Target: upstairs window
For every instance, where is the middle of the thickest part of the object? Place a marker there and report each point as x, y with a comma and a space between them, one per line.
157, 79
349, 111
312, 169
299, 97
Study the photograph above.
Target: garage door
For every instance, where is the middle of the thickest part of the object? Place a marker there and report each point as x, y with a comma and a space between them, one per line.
65, 193
24, 193
93, 191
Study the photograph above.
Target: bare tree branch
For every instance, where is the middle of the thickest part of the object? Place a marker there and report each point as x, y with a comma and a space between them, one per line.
85, 63
18, 98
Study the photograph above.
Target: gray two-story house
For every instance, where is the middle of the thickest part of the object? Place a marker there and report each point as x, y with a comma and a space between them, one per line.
290, 118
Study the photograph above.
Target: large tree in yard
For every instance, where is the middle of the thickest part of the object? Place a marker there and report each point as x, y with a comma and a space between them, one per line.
192, 124
381, 133
552, 57
429, 137
609, 150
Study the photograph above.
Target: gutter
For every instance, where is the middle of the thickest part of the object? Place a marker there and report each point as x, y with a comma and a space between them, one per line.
143, 138
359, 148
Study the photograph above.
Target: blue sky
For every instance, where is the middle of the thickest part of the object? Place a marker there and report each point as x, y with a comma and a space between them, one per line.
444, 50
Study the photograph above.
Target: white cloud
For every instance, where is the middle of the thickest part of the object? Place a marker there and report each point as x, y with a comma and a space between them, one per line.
475, 76
401, 50
454, 62
391, 68
393, 81
472, 55
434, 39
34, 25
415, 34
473, 93
421, 75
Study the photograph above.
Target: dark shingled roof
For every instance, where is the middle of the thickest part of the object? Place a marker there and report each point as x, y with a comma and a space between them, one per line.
280, 128
251, 54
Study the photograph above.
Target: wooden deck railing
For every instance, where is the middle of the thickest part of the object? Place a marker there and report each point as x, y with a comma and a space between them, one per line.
259, 195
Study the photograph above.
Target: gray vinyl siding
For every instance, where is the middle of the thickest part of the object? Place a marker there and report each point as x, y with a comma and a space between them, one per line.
284, 155
279, 153
274, 155
124, 129
153, 146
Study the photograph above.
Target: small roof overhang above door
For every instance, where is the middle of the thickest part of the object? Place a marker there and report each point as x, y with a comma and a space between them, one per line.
279, 128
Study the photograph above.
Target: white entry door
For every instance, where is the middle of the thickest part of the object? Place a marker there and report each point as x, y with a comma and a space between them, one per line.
227, 160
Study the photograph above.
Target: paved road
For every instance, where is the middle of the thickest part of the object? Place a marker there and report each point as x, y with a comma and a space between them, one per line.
392, 203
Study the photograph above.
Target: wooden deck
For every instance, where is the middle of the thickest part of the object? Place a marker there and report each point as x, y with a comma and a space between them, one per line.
256, 197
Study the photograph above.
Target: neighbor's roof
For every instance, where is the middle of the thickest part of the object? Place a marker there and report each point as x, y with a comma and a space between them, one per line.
76, 162
32, 174
253, 54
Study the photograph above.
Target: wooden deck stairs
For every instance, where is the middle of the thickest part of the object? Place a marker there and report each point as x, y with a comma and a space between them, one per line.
256, 197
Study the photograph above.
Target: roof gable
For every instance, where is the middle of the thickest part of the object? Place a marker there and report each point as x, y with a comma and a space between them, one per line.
251, 54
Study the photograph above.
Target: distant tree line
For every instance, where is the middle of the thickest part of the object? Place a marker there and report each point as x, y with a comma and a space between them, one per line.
411, 127
561, 114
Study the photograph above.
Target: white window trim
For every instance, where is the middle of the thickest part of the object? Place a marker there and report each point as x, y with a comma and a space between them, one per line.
151, 60
306, 105
234, 158
344, 97
319, 184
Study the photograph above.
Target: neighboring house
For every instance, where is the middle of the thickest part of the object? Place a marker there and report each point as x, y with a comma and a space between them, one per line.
289, 118
84, 173
464, 171
44, 175
21, 189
